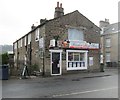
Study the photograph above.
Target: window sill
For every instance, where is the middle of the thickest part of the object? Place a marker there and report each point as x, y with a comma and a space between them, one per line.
79, 68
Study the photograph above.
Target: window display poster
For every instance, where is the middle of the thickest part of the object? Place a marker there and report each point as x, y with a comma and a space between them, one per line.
70, 64
74, 64
78, 64
90, 61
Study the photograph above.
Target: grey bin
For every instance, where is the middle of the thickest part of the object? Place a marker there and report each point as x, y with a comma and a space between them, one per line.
4, 72
101, 67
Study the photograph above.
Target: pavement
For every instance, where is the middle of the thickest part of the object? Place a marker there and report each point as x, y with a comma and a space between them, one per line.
107, 72
99, 84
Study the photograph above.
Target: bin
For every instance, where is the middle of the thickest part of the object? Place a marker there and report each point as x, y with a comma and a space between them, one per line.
4, 72
101, 67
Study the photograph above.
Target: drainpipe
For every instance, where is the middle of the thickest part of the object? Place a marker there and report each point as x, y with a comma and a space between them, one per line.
43, 73
42, 47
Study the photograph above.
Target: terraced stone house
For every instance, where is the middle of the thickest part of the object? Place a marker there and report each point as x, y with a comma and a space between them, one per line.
67, 43
110, 43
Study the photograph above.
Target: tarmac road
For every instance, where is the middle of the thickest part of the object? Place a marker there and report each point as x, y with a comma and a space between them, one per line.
95, 85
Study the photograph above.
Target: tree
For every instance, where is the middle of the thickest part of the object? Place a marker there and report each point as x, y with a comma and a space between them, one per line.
4, 58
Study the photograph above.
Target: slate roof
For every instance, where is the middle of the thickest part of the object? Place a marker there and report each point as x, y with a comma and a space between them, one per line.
112, 28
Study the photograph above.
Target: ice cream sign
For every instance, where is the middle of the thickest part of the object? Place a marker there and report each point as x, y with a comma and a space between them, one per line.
83, 45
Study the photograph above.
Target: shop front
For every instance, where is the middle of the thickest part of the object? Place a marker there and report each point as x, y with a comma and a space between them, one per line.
77, 56
76, 59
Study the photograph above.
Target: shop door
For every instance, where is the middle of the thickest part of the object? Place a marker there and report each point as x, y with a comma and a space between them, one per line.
56, 63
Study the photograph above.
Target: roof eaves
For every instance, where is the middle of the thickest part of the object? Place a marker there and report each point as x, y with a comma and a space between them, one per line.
89, 20
31, 31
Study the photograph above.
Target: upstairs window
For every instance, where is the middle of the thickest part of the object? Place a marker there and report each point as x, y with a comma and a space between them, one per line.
25, 42
75, 35
107, 56
29, 38
107, 43
37, 34
15, 46
21, 43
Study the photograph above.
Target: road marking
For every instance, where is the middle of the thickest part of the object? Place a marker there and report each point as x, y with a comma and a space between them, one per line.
60, 95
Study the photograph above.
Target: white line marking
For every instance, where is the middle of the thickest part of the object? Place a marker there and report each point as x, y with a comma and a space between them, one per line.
60, 95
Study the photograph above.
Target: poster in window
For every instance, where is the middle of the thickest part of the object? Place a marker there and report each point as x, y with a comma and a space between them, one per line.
78, 64
90, 61
74, 64
70, 64
82, 64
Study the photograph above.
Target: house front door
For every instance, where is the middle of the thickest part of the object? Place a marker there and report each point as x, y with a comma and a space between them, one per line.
56, 62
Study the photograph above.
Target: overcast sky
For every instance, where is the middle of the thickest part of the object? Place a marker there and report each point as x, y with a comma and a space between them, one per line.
17, 16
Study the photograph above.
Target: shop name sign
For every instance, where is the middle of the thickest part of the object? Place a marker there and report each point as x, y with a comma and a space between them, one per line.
83, 45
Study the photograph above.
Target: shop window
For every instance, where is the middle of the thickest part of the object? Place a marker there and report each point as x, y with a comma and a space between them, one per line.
76, 56
76, 59
82, 56
70, 56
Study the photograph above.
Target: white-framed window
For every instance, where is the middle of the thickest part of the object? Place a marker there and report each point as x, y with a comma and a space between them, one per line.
15, 45
37, 32
102, 30
25, 40
21, 41
15, 56
76, 59
107, 56
75, 34
29, 38
107, 42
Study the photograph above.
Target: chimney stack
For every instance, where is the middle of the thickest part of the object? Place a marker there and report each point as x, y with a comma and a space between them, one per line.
103, 24
59, 11
61, 5
57, 4
43, 21
33, 27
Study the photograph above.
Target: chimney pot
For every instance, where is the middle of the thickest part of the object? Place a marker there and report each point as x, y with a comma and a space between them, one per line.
59, 11
61, 5
32, 27
57, 4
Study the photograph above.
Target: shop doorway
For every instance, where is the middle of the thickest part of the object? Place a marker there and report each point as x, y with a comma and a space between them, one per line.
56, 62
